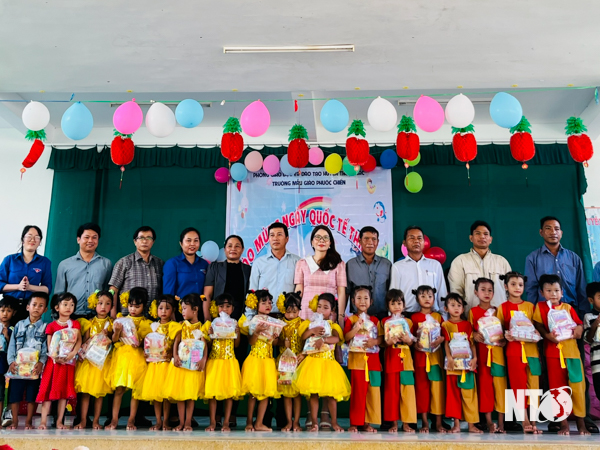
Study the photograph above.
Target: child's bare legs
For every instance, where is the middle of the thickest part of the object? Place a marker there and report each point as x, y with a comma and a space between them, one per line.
250, 417
189, 412
287, 404
158, 406
227, 414
456, 427
406, 428
581, 426
500, 428
314, 408
260, 415
62, 404
14, 407
166, 404
85, 404
117, 399
212, 411
425, 423
45, 411
297, 407
490, 424
97, 412
333, 414
474, 429
438, 424
529, 427
133, 407
325, 412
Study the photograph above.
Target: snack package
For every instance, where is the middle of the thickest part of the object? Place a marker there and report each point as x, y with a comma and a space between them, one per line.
521, 328
367, 331
288, 362
97, 349
63, 342
26, 360
427, 333
129, 333
309, 344
397, 326
491, 328
155, 345
345, 353
460, 349
560, 323
274, 327
224, 327
191, 351
597, 335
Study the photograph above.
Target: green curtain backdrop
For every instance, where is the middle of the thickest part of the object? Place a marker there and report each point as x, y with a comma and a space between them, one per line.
173, 188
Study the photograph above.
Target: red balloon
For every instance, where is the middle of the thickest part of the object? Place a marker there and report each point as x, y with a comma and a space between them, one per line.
436, 253
426, 243
370, 164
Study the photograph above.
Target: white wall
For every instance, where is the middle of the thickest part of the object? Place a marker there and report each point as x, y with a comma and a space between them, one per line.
592, 174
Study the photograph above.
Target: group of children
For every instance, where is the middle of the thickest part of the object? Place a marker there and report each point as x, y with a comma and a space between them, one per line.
422, 357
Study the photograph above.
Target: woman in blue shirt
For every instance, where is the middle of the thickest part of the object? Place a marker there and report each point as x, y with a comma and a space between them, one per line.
26, 272
184, 274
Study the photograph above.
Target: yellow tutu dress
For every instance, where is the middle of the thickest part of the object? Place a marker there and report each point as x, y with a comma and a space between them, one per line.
154, 385
128, 364
223, 377
259, 373
290, 331
88, 378
320, 373
185, 384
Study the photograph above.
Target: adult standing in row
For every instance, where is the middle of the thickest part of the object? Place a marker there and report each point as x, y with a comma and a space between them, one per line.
416, 270
26, 272
368, 269
86, 271
477, 263
138, 269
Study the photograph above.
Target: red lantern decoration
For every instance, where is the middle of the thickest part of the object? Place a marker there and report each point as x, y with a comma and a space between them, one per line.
122, 151
579, 143
464, 144
36, 150
357, 148
407, 141
522, 147
298, 148
232, 142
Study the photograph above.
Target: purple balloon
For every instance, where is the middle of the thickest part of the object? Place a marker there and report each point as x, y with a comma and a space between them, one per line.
222, 175
271, 165
128, 117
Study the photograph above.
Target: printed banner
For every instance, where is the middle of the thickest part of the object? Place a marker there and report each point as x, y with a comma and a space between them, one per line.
344, 204
592, 216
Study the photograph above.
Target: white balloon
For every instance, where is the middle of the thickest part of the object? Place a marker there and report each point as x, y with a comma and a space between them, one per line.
460, 111
382, 115
35, 116
160, 120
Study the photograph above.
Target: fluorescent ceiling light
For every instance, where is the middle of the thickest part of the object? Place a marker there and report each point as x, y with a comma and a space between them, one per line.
444, 100
291, 49
117, 104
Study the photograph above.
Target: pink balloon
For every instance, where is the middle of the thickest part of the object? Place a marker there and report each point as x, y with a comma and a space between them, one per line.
222, 175
426, 243
429, 114
128, 117
271, 165
404, 250
255, 119
315, 156
253, 161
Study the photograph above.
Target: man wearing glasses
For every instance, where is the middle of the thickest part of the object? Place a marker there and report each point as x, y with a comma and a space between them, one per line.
138, 269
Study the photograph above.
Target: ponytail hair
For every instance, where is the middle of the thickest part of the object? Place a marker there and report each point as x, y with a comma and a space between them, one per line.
481, 280
512, 274
332, 257
423, 288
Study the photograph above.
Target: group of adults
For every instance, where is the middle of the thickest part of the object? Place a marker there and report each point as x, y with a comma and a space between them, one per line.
279, 270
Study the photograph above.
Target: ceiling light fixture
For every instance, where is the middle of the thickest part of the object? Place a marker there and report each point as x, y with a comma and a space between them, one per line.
117, 104
481, 101
291, 49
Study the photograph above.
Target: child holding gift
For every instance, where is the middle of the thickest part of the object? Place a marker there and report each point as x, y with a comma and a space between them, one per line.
7, 310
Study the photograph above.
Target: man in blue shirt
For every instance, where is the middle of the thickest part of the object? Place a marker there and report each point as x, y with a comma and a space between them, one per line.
553, 258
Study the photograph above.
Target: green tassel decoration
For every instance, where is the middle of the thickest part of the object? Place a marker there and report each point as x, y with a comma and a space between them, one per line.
232, 126
467, 129
407, 125
298, 132
357, 128
522, 127
575, 126
33, 135
124, 136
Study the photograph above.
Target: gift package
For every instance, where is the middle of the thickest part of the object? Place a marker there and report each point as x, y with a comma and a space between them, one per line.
460, 349
97, 350
63, 342
428, 332
224, 327
191, 351
129, 333
491, 328
397, 327
309, 344
560, 323
155, 345
521, 328
288, 362
368, 330
26, 360
274, 327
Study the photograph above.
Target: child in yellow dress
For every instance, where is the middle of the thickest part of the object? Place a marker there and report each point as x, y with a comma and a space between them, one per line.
259, 373
187, 385
154, 385
223, 377
128, 363
89, 379
319, 374
290, 338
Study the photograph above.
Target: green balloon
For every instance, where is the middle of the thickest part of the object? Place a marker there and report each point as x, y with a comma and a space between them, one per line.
349, 168
414, 162
413, 182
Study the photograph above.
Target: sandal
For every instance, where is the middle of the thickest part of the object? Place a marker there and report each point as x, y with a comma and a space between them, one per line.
324, 425
591, 427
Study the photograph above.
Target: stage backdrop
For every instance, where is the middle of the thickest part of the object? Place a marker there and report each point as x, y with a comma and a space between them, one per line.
172, 188
344, 204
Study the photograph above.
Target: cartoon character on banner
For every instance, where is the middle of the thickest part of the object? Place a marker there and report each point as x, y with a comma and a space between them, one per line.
370, 186
243, 206
380, 212
383, 251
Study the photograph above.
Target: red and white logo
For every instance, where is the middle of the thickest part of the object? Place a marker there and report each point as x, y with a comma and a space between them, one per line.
554, 406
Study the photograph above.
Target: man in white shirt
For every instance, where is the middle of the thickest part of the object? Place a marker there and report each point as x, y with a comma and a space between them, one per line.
416, 270
477, 263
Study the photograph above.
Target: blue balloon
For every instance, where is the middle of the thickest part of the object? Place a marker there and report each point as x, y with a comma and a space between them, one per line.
505, 110
210, 251
388, 159
334, 116
285, 166
77, 122
221, 256
238, 172
189, 113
